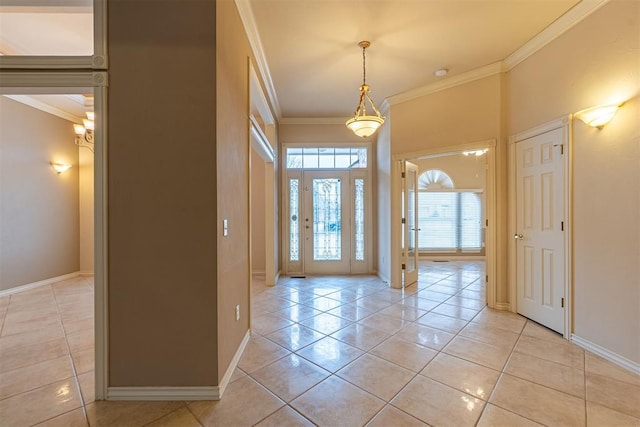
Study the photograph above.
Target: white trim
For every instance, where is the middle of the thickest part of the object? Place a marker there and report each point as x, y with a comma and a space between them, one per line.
313, 120
38, 284
258, 272
260, 142
251, 29
564, 23
460, 79
163, 393
86, 273
32, 102
232, 366
539, 130
382, 277
445, 151
504, 306
606, 354
25, 82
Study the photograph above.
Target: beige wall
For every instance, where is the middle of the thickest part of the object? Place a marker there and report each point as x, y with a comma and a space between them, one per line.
163, 203
469, 113
383, 201
596, 62
85, 166
459, 115
38, 208
232, 150
258, 224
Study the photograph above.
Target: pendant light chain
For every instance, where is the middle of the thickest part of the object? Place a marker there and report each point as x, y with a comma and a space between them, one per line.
364, 66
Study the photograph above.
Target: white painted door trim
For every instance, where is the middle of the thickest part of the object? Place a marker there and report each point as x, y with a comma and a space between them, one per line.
564, 123
65, 83
491, 212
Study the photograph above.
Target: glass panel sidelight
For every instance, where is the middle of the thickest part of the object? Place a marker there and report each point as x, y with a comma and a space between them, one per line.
294, 220
359, 219
327, 243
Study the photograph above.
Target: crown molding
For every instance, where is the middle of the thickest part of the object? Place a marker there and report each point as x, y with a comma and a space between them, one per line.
32, 102
250, 27
313, 120
469, 76
564, 23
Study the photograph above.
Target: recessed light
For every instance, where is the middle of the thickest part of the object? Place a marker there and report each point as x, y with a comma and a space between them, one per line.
441, 72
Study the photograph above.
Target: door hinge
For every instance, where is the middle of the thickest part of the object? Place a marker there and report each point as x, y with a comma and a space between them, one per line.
403, 174
404, 266
486, 278
562, 302
404, 220
561, 225
486, 222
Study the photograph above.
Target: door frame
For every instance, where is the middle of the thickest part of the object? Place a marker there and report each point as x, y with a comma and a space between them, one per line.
564, 123
491, 208
367, 173
25, 83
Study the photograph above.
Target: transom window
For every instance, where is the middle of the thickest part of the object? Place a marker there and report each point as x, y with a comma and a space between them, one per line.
327, 158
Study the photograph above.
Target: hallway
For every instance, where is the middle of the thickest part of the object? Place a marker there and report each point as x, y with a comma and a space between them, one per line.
333, 351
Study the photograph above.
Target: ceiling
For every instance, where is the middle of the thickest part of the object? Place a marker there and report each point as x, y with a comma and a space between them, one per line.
311, 46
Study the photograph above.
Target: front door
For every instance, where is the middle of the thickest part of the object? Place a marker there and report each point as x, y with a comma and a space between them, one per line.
540, 247
326, 225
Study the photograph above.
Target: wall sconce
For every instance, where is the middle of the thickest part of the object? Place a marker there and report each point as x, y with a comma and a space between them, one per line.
60, 167
598, 116
84, 132
476, 153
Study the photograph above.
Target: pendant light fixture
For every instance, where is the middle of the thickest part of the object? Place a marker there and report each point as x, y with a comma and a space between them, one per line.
362, 124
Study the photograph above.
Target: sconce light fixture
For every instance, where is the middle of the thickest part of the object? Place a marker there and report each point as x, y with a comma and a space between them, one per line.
363, 124
476, 153
598, 116
84, 132
60, 167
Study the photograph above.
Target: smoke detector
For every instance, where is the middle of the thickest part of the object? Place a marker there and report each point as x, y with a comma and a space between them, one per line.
441, 72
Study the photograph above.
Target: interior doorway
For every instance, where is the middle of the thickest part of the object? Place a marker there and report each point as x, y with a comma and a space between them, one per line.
455, 215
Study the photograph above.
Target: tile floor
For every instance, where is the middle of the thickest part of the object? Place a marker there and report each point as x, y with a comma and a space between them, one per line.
331, 351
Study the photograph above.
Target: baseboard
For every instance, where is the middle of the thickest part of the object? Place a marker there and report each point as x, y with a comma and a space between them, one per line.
34, 285
86, 273
258, 273
234, 363
383, 278
452, 257
504, 306
607, 354
163, 393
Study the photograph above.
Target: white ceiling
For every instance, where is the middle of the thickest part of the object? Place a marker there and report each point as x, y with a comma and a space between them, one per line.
310, 46
316, 66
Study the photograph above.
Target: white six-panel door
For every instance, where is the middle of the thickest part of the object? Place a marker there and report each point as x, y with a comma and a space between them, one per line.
540, 244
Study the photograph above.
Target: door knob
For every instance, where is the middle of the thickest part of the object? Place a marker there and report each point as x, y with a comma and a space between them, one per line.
518, 236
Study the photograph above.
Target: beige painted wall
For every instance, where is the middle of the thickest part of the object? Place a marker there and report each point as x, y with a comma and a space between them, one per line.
38, 208
459, 115
163, 204
383, 201
85, 166
232, 151
469, 113
594, 63
258, 225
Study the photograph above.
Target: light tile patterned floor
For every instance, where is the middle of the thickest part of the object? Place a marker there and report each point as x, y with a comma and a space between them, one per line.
330, 351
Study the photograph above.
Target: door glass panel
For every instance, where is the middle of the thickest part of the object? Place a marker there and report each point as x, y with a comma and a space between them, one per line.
411, 220
327, 243
359, 219
294, 220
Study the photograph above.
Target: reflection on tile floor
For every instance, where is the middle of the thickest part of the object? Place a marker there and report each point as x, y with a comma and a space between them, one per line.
331, 351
